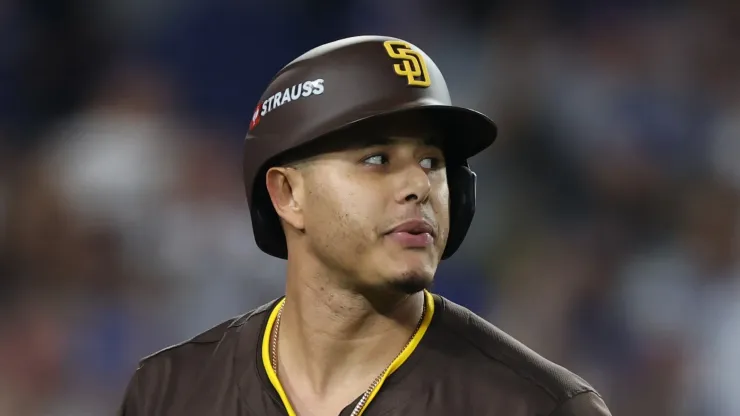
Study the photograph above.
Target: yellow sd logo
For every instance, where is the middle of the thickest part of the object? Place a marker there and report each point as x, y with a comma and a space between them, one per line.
412, 64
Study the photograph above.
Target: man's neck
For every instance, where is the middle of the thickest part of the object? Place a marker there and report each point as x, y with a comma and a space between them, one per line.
333, 339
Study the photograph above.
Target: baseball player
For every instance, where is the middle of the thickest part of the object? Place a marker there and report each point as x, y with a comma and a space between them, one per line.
356, 173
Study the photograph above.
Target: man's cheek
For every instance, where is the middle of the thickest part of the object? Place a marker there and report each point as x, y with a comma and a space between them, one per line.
441, 203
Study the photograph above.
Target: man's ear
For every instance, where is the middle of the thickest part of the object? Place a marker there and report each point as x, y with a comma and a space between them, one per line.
286, 189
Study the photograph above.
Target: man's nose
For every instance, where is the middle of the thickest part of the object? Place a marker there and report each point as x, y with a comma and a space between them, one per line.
415, 185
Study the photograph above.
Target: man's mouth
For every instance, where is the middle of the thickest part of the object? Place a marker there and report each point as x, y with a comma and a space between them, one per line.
413, 234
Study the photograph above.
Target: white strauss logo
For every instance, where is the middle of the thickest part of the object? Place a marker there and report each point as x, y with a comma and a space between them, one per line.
288, 95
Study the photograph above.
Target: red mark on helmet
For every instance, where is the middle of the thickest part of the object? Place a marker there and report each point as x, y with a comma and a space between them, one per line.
256, 116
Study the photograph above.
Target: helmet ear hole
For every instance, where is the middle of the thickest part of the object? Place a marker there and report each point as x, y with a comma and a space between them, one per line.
462, 183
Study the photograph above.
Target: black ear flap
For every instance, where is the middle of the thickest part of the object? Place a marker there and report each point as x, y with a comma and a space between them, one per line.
461, 181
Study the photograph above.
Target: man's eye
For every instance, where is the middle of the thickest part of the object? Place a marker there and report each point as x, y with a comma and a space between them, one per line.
430, 163
376, 160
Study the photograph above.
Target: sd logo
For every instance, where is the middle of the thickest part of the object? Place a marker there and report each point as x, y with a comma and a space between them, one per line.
412, 64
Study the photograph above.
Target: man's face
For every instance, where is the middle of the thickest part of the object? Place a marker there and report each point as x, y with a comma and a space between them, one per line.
379, 213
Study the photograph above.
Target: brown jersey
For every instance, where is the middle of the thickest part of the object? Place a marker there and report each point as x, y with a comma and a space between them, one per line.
458, 364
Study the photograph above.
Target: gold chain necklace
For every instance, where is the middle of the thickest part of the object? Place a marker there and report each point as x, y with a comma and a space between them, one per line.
374, 384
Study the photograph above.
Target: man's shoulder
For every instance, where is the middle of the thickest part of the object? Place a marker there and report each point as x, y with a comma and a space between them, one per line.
205, 342
182, 369
494, 348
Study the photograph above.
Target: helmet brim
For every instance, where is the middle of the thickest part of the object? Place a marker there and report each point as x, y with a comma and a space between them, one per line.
465, 132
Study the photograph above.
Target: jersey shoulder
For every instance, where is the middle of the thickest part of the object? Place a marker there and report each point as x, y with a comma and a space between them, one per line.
208, 340
501, 349
165, 379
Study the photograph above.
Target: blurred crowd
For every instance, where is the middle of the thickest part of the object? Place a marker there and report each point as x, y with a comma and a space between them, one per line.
607, 223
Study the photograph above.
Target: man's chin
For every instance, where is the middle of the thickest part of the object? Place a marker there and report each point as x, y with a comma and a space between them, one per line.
411, 282
411, 286
394, 285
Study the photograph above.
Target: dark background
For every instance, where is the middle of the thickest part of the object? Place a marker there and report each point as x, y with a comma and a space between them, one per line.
606, 231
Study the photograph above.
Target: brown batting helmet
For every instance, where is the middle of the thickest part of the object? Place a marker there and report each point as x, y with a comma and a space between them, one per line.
350, 84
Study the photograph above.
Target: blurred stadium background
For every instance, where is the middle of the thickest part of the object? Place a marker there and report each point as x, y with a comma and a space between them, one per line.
606, 232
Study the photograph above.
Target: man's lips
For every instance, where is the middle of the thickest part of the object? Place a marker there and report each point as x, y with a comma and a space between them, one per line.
413, 234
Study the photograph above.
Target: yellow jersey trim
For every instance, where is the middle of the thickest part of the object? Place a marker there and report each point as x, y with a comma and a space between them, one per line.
267, 362
426, 320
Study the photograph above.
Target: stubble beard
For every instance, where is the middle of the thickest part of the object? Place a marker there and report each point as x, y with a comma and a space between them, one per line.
410, 283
